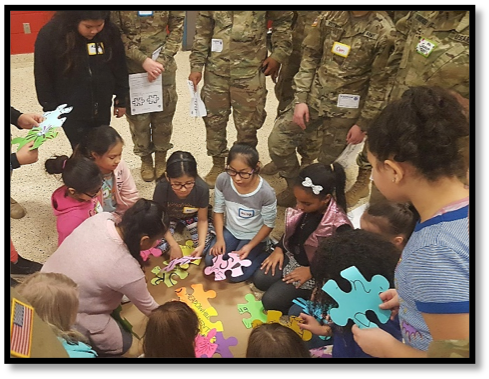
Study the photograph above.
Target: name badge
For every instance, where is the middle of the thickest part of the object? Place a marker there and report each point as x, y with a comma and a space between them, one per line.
95, 48
246, 213
348, 101
425, 47
216, 45
315, 23
145, 13
188, 210
341, 49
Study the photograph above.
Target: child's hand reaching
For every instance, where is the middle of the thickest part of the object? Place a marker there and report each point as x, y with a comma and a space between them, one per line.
219, 248
390, 301
374, 341
199, 250
175, 252
244, 251
313, 325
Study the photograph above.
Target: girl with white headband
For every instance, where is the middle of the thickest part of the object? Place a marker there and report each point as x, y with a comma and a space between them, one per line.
320, 212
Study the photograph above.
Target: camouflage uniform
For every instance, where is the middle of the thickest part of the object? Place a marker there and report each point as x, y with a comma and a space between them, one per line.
447, 66
449, 349
233, 77
142, 35
284, 91
323, 76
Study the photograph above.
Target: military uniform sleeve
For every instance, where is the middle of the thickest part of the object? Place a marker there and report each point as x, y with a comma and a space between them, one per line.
379, 83
131, 41
202, 41
174, 41
394, 60
312, 52
282, 34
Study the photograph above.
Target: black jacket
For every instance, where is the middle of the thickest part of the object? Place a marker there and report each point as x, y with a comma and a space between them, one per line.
90, 86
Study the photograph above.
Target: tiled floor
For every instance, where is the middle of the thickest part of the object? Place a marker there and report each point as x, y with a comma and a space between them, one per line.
35, 235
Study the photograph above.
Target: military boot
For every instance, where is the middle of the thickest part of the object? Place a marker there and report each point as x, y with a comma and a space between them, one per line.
16, 210
147, 170
217, 167
360, 187
286, 198
269, 169
160, 163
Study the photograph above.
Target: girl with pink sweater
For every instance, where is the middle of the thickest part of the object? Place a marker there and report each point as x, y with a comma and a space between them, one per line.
103, 258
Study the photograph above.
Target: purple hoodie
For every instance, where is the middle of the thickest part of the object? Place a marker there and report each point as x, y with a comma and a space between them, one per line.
70, 212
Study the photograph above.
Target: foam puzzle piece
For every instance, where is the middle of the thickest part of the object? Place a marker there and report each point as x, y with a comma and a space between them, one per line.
46, 129
126, 325
311, 309
153, 251
234, 264
292, 323
182, 262
364, 296
254, 308
188, 249
204, 347
169, 278
223, 345
198, 301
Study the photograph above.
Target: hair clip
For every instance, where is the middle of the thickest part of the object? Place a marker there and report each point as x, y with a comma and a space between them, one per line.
316, 189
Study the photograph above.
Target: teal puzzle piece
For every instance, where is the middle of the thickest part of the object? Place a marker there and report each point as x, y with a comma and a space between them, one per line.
364, 296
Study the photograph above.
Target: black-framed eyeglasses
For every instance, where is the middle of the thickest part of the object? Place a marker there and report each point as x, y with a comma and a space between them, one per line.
91, 196
179, 186
243, 175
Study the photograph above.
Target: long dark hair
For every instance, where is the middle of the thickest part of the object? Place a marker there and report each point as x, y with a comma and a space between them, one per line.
71, 47
144, 218
99, 140
181, 163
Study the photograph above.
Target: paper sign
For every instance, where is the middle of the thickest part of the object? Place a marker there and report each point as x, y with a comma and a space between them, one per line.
145, 96
356, 214
156, 53
348, 101
197, 106
216, 45
349, 155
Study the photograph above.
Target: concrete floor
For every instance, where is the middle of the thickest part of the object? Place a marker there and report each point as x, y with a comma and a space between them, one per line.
35, 235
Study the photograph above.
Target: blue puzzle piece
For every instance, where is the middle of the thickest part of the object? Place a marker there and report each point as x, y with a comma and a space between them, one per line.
364, 296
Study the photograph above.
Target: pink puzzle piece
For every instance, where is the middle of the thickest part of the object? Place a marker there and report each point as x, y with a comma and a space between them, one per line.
203, 345
233, 264
153, 251
180, 262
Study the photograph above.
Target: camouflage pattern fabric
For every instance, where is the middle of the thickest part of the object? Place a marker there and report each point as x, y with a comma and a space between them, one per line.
233, 76
141, 36
323, 75
446, 66
449, 349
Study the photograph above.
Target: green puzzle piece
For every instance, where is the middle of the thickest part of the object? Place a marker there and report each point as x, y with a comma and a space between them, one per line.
254, 308
169, 278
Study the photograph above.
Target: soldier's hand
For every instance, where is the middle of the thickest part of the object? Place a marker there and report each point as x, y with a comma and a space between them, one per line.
195, 77
355, 135
301, 113
153, 68
29, 120
271, 67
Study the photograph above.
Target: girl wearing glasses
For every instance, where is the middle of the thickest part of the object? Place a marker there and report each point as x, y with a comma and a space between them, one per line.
245, 209
76, 200
186, 198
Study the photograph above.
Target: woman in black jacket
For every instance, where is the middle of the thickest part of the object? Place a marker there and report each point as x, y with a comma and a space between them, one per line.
79, 60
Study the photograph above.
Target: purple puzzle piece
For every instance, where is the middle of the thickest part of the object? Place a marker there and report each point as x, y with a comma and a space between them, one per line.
179, 261
233, 264
223, 345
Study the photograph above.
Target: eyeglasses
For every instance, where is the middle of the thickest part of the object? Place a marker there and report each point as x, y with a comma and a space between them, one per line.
179, 186
94, 195
243, 175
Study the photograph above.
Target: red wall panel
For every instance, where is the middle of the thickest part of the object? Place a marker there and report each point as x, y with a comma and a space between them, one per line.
20, 41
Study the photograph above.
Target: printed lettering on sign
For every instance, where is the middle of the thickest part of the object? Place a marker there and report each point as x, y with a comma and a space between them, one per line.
246, 213
425, 47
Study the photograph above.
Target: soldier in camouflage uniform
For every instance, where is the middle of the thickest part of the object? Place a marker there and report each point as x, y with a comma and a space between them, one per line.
443, 60
339, 93
309, 149
232, 47
143, 33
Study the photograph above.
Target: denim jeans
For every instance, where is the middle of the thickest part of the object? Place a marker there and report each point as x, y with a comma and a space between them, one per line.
257, 255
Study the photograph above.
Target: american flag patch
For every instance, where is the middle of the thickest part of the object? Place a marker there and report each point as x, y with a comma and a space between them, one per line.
21, 321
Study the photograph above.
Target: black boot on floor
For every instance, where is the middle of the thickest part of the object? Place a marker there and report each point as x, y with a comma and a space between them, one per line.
24, 267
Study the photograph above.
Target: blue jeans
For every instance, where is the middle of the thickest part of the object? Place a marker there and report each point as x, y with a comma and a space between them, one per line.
257, 255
